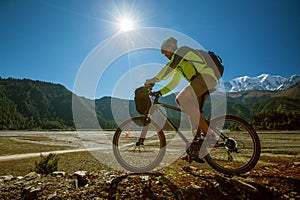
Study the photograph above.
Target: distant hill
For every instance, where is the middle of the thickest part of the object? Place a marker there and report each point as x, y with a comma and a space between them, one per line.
35, 105
27, 104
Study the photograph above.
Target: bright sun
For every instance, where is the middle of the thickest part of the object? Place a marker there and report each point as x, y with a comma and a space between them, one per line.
125, 17
126, 24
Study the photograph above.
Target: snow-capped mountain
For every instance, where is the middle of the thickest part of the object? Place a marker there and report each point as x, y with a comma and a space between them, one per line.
261, 82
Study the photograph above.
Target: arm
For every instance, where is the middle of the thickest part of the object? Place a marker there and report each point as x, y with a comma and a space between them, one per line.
163, 74
173, 83
168, 70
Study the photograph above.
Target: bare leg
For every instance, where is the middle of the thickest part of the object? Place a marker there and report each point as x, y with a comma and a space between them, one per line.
189, 104
202, 124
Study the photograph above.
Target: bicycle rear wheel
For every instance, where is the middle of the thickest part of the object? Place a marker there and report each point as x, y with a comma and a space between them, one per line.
237, 150
139, 146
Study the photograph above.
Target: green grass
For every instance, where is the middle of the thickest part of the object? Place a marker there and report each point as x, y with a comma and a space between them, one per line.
8, 146
69, 163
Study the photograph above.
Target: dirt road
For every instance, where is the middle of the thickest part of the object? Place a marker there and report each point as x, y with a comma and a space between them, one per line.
32, 155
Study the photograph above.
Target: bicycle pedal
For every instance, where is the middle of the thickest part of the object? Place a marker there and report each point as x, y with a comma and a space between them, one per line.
190, 159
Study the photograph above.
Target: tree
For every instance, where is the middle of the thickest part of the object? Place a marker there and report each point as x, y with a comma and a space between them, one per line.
280, 120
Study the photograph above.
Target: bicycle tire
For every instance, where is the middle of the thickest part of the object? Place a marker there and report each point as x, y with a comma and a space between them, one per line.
246, 153
125, 149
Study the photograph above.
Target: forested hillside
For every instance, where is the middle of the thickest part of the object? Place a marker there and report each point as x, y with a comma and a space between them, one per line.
27, 104
268, 110
36, 105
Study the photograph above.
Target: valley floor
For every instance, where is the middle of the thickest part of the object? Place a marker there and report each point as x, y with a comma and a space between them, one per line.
276, 176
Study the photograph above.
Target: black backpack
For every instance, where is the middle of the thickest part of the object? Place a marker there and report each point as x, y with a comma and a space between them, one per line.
218, 62
214, 61
142, 100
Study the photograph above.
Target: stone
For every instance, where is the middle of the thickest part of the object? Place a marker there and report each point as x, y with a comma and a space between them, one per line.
296, 163
59, 173
187, 169
7, 178
243, 185
80, 173
32, 175
54, 197
80, 178
195, 186
30, 193
145, 178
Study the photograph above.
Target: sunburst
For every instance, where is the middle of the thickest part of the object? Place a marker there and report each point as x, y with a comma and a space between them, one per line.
125, 18
126, 23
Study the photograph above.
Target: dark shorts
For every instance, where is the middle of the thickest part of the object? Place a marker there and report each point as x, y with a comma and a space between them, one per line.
201, 84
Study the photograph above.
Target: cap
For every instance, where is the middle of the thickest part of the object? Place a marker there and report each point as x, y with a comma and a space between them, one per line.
166, 43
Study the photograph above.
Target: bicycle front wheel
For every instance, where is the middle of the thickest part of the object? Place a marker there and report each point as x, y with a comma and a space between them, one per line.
238, 148
139, 146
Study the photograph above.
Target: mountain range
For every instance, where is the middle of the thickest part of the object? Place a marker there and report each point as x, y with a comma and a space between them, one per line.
35, 105
261, 82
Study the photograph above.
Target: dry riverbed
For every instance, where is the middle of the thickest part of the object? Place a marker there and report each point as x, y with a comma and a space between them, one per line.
276, 176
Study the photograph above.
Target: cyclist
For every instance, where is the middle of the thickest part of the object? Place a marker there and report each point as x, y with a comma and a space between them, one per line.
184, 62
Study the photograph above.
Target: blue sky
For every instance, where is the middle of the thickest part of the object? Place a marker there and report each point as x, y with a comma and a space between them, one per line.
49, 40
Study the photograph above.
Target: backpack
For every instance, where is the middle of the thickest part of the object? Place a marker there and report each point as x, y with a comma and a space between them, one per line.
142, 100
214, 61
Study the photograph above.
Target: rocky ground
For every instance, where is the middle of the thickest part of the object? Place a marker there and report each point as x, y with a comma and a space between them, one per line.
179, 181
276, 176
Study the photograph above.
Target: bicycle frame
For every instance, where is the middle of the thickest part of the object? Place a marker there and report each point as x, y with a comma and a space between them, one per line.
155, 107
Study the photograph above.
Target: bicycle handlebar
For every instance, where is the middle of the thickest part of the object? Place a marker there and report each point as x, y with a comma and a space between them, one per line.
149, 86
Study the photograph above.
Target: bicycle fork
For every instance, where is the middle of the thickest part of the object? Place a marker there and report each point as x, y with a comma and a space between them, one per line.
144, 131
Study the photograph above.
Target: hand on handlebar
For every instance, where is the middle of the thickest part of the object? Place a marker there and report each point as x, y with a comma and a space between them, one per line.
150, 82
149, 85
156, 94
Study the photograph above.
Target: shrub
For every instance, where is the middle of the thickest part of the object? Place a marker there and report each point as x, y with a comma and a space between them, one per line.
47, 164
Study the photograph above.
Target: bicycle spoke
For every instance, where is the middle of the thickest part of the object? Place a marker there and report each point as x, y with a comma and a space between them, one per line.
138, 147
239, 149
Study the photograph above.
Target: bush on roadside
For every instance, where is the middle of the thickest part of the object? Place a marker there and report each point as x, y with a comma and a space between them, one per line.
47, 164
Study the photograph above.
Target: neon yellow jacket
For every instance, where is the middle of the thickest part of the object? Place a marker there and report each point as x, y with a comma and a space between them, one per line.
181, 65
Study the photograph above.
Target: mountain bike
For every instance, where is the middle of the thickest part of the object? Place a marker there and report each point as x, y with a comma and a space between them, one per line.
139, 143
